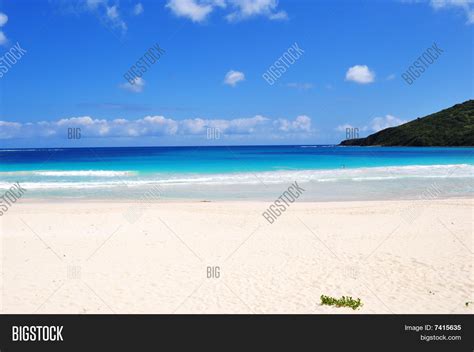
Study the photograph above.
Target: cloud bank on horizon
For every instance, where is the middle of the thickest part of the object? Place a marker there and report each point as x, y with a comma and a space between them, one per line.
155, 126
148, 126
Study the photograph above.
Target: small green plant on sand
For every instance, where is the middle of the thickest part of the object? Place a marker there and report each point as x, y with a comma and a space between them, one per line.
341, 302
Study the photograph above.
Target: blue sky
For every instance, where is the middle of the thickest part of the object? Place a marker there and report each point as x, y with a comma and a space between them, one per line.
347, 72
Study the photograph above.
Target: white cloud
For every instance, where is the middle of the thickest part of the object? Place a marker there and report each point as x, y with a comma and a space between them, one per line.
195, 126
244, 125
9, 124
233, 77
83, 120
3, 19
465, 5
149, 125
391, 77
3, 38
114, 18
156, 126
109, 14
380, 123
136, 87
192, 9
112, 12
9, 129
199, 10
360, 74
138, 9
153, 125
302, 123
236, 126
93, 4
250, 8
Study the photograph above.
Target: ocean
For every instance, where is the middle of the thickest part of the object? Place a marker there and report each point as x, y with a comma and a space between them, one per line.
327, 173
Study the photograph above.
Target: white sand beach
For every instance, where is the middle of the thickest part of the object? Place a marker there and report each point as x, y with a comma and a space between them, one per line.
110, 257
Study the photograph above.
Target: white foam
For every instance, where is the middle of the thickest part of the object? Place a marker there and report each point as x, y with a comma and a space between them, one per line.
247, 178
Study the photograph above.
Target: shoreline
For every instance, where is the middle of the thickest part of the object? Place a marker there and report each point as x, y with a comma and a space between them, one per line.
59, 200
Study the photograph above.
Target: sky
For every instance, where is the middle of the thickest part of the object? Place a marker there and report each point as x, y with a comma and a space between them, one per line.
226, 72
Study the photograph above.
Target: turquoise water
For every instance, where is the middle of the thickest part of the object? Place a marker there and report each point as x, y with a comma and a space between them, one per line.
237, 172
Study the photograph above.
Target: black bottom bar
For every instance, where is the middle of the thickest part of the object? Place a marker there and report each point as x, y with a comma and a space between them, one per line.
246, 332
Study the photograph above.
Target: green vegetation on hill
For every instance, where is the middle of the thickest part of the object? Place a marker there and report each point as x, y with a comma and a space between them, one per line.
450, 127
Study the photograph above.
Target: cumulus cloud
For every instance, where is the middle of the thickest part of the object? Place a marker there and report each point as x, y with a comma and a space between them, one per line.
360, 74
465, 5
9, 129
136, 87
108, 11
196, 11
3, 38
112, 12
155, 126
243, 125
233, 77
302, 123
113, 17
250, 8
199, 10
138, 9
380, 123
3, 21
93, 4
236, 126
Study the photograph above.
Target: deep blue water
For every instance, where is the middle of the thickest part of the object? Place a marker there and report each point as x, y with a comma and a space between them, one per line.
227, 159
